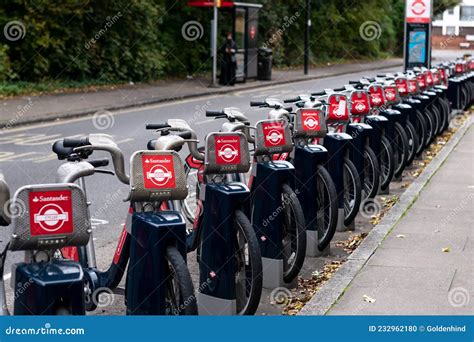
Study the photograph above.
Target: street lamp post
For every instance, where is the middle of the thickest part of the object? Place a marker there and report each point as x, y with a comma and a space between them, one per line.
214, 45
306, 36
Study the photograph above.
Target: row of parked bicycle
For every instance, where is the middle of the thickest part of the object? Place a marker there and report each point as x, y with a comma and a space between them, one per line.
312, 166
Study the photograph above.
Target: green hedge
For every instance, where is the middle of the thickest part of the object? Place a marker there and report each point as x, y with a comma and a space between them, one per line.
140, 40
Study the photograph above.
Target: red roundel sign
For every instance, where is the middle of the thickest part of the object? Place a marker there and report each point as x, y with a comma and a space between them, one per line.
274, 134
376, 96
227, 149
412, 86
421, 81
310, 119
50, 212
158, 171
390, 93
360, 103
418, 11
402, 86
338, 108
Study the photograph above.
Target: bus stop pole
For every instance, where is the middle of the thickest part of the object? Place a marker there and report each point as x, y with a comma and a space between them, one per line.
214, 46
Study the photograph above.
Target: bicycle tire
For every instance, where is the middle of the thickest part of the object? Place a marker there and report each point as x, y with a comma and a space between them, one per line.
438, 118
413, 142
371, 174
430, 127
255, 259
187, 301
326, 206
420, 126
386, 163
293, 213
352, 197
400, 149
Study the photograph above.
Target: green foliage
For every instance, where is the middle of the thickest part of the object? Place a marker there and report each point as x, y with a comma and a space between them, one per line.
140, 40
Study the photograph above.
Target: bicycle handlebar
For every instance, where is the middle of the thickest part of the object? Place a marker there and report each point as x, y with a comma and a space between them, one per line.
296, 99
76, 142
157, 125
214, 113
99, 162
258, 104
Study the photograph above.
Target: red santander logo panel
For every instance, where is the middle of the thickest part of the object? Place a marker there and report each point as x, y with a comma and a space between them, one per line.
227, 149
50, 212
274, 134
158, 171
310, 119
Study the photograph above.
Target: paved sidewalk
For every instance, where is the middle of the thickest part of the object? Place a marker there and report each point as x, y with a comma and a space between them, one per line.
425, 265
28, 109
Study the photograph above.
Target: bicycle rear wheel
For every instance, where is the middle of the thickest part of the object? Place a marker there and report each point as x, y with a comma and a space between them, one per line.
420, 127
248, 277
180, 298
294, 234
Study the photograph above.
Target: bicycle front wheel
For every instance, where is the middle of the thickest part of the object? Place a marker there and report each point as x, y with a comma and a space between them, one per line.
400, 149
294, 234
326, 206
371, 174
352, 191
180, 298
248, 276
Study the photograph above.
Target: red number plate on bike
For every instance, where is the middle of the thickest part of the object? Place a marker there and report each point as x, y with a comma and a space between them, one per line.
158, 172
227, 149
50, 212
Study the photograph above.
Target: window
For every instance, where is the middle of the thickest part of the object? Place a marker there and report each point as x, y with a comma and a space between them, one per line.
450, 30
451, 11
467, 13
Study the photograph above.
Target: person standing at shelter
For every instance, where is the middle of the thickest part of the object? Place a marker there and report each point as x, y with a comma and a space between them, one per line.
229, 61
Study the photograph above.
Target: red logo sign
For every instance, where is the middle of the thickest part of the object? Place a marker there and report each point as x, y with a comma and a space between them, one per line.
360, 105
227, 149
418, 11
158, 172
376, 96
429, 78
459, 68
338, 108
390, 93
421, 81
310, 119
274, 134
402, 86
412, 86
50, 212
252, 32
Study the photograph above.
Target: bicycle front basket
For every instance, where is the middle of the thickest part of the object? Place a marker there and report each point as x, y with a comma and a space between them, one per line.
226, 153
157, 176
310, 123
272, 136
49, 216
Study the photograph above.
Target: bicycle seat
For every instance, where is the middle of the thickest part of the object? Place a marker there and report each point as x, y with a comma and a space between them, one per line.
5, 219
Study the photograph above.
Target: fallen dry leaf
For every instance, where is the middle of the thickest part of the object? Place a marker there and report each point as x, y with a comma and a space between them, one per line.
401, 236
368, 299
446, 250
